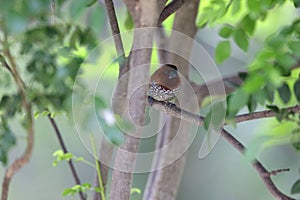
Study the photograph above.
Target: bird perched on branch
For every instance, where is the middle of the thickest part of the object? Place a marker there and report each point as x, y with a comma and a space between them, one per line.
164, 83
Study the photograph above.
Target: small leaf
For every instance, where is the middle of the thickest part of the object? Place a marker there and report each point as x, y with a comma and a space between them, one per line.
273, 108
226, 31
223, 51
248, 24
241, 39
296, 187
286, 61
252, 104
276, 41
284, 93
237, 100
297, 3
236, 6
297, 90
294, 46
135, 190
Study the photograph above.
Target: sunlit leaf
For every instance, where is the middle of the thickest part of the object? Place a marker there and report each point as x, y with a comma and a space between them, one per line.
226, 31
223, 51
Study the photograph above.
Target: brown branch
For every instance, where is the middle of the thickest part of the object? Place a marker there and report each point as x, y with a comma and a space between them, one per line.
64, 148
25, 157
171, 8
264, 114
264, 174
177, 112
106, 150
110, 9
174, 111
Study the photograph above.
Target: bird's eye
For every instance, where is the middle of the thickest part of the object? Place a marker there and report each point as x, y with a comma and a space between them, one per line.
172, 74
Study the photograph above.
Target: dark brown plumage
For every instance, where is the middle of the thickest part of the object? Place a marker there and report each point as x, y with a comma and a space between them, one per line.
164, 83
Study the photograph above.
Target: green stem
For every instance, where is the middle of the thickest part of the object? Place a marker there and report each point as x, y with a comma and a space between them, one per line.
98, 169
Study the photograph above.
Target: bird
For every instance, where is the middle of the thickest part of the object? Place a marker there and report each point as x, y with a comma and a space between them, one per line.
164, 83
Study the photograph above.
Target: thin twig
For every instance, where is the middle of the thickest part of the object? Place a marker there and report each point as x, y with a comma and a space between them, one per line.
171, 8
264, 174
25, 157
264, 114
115, 32
177, 112
64, 148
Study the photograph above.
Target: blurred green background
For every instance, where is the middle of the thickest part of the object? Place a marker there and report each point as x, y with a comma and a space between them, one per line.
223, 174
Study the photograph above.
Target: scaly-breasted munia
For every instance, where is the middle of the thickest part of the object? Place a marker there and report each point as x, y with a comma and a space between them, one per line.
164, 83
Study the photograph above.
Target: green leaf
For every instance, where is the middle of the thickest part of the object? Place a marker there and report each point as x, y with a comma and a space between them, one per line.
284, 93
297, 90
295, 139
297, 3
237, 101
236, 6
273, 108
254, 5
99, 103
252, 104
248, 24
7, 141
226, 31
294, 46
135, 190
296, 187
276, 41
223, 51
286, 60
241, 39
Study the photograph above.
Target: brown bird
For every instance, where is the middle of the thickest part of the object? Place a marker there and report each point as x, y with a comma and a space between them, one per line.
164, 83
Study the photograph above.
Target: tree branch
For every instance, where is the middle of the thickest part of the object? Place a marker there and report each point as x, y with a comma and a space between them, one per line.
64, 148
106, 150
264, 174
25, 157
177, 112
171, 8
110, 9
173, 110
264, 114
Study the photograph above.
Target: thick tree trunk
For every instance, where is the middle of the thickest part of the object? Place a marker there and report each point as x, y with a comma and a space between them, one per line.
163, 184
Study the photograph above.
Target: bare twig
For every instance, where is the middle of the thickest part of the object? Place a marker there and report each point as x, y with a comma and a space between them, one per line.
25, 157
116, 33
177, 112
171, 8
64, 148
264, 114
264, 174
174, 111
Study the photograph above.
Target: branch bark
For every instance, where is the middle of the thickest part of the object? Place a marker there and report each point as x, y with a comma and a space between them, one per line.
164, 183
145, 14
173, 110
171, 8
64, 148
25, 157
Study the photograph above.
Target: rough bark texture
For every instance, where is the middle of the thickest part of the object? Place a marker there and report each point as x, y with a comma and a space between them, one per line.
145, 14
164, 183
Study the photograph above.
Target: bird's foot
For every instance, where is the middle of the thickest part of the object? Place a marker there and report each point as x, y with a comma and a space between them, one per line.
150, 100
